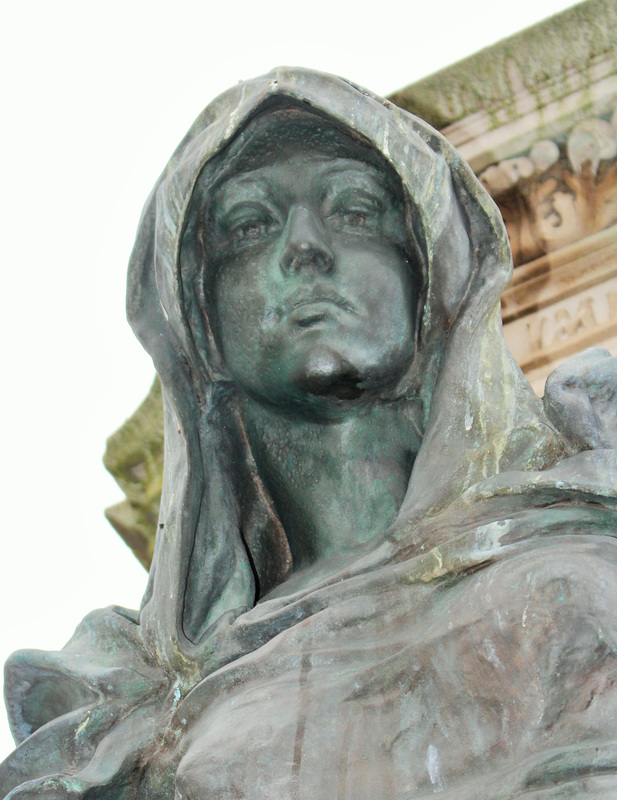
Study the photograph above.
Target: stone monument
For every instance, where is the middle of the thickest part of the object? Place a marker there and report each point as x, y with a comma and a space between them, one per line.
383, 568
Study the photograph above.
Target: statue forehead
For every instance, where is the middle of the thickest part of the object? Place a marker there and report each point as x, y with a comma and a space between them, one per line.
280, 133
302, 173
285, 129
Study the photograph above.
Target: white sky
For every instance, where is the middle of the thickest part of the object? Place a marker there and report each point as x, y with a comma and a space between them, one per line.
95, 98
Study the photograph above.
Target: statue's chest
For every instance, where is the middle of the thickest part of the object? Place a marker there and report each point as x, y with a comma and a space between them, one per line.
403, 701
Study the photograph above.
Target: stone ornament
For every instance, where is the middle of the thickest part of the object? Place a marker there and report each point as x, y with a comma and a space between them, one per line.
552, 196
384, 568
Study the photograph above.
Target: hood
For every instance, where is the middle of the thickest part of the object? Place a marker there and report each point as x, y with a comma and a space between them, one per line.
220, 543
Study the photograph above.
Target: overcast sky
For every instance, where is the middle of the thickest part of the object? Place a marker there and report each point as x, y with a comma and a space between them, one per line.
95, 97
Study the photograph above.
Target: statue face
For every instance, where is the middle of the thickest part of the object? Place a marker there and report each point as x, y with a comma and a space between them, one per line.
313, 295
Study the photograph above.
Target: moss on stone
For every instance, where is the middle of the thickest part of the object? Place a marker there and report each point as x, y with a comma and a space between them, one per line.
134, 456
539, 57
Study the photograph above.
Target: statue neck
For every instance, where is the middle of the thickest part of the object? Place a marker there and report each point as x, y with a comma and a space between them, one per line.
334, 484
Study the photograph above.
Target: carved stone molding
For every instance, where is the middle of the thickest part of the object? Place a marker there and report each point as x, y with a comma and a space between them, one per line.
562, 303
558, 192
531, 86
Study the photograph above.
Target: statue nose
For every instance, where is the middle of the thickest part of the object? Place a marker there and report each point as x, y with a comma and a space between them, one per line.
306, 244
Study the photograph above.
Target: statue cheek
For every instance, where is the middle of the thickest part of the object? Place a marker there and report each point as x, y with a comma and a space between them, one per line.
387, 290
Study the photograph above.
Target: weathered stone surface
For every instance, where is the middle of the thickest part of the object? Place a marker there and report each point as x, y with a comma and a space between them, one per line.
562, 303
553, 197
134, 456
570, 53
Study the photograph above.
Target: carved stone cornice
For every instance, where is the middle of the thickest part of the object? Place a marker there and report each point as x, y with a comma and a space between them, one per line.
530, 86
530, 114
562, 303
559, 191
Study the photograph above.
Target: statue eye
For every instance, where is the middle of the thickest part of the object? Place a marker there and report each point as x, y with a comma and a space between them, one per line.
355, 219
351, 218
249, 229
353, 209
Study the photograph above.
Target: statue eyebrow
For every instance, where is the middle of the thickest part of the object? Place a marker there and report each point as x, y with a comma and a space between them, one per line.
370, 180
243, 189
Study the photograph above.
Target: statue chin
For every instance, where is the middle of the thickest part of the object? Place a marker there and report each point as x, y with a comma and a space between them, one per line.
319, 385
330, 383
328, 374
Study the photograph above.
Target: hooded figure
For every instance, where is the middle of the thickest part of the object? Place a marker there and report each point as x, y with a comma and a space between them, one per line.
467, 647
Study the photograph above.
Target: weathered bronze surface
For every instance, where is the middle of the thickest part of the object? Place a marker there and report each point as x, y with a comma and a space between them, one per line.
384, 567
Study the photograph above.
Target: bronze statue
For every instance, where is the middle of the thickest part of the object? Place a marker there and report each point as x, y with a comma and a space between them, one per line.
384, 568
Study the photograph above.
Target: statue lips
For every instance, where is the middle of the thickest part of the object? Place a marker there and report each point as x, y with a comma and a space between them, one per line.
307, 307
